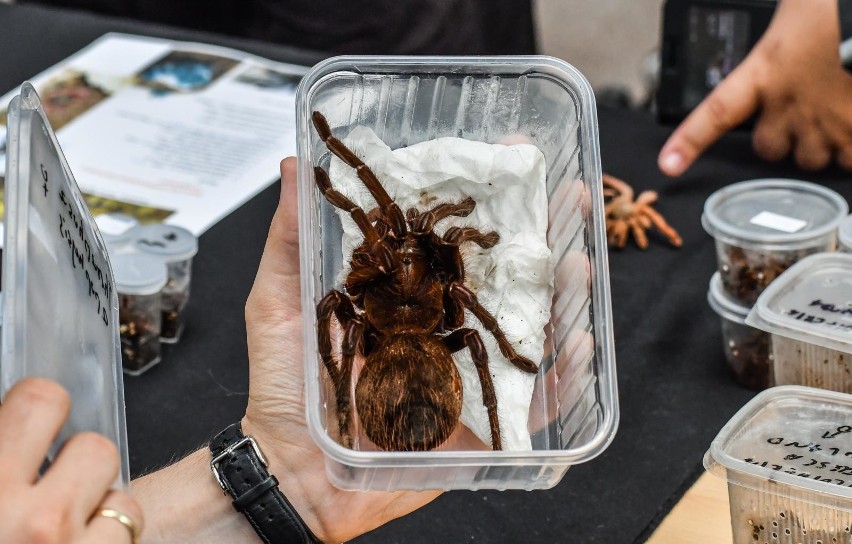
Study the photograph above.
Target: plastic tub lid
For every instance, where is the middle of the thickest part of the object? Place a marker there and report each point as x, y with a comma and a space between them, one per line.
845, 232
170, 242
723, 304
116, 228
782, 211
139, 274
811, 301
789, 435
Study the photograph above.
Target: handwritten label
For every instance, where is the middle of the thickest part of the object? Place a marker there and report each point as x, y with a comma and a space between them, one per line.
779, 222
819, 461
827, 321
72, 231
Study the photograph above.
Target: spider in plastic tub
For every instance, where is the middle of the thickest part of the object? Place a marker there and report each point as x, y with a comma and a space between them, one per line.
402, 309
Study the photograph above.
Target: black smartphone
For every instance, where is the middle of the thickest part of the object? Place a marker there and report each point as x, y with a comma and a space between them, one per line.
702, 42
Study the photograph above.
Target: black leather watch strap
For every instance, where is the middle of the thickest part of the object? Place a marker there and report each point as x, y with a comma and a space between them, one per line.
240, 469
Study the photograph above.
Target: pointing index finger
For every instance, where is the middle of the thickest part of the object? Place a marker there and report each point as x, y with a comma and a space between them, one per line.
731, 103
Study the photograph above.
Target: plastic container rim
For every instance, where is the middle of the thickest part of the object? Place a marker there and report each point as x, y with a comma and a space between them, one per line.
141, 288
762, 317
725, 232
169, 257
458, 65
844, 232
722, 303
739, 472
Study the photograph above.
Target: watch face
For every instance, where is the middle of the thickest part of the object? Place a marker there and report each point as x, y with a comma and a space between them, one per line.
717, 41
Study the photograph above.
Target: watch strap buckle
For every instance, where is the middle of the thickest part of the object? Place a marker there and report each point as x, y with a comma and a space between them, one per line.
214, 463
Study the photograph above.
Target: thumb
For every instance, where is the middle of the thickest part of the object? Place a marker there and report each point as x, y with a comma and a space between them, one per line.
275, 293
731, 103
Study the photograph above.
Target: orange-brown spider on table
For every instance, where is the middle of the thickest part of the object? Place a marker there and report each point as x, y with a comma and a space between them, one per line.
625, 216
402, 309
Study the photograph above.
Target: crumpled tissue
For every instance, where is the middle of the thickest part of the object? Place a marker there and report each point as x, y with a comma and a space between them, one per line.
513, 280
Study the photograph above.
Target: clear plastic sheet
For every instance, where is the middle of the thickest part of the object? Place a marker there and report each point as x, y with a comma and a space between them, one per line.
60, 318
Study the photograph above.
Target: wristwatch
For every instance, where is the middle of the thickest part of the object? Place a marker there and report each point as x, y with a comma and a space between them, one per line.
241, 471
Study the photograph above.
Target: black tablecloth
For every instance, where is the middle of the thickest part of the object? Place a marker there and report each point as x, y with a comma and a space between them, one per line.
675, 390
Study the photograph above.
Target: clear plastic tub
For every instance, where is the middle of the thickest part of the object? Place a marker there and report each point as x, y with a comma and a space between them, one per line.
747, 349
176, 246
808, 311
139, 280
540, 100
763, 226
785, 457
844, 235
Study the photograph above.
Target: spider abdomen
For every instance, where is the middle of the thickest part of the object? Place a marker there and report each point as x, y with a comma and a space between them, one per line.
409, 393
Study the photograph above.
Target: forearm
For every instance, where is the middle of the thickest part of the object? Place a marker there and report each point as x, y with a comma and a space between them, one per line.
184, 504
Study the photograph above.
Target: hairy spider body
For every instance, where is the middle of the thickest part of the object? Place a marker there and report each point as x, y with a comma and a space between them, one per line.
409, 393
403, 310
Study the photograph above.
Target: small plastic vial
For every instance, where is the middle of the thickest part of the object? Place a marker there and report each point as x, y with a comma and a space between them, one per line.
176, 247
118, 231
139, 281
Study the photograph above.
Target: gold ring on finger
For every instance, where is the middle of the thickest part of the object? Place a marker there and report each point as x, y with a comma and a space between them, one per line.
123, 519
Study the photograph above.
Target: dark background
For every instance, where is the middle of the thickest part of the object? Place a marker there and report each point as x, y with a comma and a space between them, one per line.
675, 390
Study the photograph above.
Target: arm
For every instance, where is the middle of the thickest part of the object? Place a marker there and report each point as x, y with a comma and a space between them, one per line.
794, 78
183, 502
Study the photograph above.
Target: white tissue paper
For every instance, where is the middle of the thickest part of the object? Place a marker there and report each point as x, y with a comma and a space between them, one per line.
513, 280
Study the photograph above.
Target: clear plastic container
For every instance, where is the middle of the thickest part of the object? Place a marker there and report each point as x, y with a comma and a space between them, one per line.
176, 246
60, 309
118, 231
844, 235
139, 280
808, 311
785, 456
539, 100
747, 349
763, 226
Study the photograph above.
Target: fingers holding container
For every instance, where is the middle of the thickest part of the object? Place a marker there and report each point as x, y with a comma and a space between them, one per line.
60, 503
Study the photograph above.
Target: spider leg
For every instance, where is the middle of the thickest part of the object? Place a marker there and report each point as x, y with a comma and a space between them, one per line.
622, 188
339, 200
468, 299
638, 233
618, 234
353, 326
338, 304
353, 343
426, 221
469, 338
647, 197
458, 235
371, 182
662, 225
365, 270
373, 236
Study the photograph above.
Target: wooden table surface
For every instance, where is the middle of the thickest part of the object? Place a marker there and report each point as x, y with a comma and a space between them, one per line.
701, 516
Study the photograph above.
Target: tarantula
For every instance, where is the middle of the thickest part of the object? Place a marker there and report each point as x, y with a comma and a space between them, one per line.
625, 215
403, 309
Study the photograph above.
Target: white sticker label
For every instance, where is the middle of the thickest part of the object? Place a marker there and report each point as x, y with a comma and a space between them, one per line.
778, 222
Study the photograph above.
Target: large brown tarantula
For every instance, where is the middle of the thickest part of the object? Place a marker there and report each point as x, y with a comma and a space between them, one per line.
402, 309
